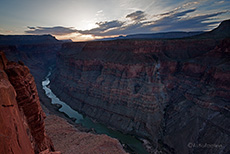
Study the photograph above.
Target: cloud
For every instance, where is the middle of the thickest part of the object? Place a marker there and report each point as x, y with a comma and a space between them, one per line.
58, 30
100, 11
176, 20
31, 27
177, 9
109, 24
137, 16
103, 28
220, 2
170, 18
181, 18
185, 5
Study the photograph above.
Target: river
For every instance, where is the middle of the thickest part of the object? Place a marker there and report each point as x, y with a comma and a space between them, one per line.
131, 141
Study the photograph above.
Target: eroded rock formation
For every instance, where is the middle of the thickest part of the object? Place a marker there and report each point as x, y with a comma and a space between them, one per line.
22, 129
38, 57
22, 119
173, 92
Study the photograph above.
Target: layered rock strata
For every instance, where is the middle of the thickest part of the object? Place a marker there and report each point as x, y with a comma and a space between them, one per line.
38, 57
13, 134
22, 128
173, 92
22, 119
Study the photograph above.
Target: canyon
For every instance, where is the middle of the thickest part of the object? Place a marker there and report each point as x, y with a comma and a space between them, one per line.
23, 128
173, 92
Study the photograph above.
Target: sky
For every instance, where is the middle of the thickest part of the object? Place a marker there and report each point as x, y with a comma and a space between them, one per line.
82, 20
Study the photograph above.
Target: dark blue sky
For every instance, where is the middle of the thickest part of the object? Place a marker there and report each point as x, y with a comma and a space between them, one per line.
89, 19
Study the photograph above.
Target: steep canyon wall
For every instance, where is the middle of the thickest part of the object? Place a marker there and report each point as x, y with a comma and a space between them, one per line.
22, 127
173, 92
22, 119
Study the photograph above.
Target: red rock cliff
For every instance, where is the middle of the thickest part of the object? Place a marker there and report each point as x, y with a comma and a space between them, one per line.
22, 119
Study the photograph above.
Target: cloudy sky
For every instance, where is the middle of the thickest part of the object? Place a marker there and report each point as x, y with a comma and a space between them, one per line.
89, 19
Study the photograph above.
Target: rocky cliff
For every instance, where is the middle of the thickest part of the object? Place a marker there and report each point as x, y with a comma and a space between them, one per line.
173, 92
22, 119
38, 57
22, 129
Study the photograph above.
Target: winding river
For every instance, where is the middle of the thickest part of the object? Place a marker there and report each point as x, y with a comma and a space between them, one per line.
131, 141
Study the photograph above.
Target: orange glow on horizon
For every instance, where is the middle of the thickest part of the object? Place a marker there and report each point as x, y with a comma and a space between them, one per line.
77, 37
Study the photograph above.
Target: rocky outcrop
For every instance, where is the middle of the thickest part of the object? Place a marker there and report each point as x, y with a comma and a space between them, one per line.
173, 92
38, 58
13, 134
22, 119
69, 140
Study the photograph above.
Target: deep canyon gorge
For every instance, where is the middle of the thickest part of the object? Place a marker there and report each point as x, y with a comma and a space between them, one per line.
25, 129
172, 92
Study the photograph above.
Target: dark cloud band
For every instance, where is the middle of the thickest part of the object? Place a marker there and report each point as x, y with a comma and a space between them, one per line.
169, 21
178, 19
137, 16
51, 30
